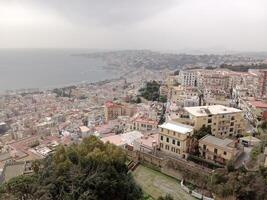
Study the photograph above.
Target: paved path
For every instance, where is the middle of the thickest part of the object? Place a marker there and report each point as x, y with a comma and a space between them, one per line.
243, 157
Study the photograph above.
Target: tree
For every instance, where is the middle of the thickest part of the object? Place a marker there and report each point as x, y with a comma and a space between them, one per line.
138, 100
21, 187
162, 116
240, 184
162, 99
151, 91
91, 170
204, 130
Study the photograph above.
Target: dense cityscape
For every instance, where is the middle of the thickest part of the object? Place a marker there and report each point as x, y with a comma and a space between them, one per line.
191, 123
133, 100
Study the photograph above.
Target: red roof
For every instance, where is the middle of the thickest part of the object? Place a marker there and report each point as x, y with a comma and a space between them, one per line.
111, 104
259, 104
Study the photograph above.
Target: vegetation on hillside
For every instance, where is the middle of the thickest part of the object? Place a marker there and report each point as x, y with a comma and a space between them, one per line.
244, 68
151, 92
240, 184
89, 171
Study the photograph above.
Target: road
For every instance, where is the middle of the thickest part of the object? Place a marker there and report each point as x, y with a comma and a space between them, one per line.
243, 157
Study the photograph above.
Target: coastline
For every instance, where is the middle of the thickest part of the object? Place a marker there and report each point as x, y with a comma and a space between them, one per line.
75, 84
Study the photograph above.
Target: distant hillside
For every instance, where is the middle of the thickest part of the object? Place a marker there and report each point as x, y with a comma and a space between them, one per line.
157, 61
243, 68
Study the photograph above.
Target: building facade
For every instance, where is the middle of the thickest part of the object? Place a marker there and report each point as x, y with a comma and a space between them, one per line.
174, 138
114, 110
219, 150
223, 121
187, 78
143, 124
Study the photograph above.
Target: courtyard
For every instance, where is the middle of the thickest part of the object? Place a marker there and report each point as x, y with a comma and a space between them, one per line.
156, 184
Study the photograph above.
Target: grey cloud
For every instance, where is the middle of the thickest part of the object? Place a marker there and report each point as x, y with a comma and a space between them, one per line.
108, 12
120, 24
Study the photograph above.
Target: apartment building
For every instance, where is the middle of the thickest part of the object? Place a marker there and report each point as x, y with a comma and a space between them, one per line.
180, 93
223, 121
219, 150
114, 110
187, 77
174, 138
143, 124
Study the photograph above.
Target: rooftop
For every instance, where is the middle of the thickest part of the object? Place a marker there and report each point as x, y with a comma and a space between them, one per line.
5, 156
122, 139
84, 129
259, 104
210, 110
114, 139
224, 143
177, 127
250, 138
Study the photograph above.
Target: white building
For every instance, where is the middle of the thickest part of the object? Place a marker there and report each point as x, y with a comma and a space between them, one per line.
187, 78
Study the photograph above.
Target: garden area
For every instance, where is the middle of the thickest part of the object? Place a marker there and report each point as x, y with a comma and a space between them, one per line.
157, 184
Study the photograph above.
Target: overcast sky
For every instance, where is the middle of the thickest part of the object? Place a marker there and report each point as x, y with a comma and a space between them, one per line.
239, 25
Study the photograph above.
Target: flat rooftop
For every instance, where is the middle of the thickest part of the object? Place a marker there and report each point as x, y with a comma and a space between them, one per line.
224, 143
200, 111
177, 127
122, 139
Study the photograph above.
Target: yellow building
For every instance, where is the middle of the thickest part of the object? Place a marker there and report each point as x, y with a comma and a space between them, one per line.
223, 121
174, 138
219, 150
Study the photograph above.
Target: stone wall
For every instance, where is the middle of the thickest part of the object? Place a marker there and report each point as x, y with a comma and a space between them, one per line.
176, 168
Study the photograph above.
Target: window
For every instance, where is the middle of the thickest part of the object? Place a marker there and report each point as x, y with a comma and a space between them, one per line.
161, 137
204, 147
161, 129
231, 129
173, 141
225, 153
178, 151
173, 133
232, 118
209, 120
173, 149
215, 151
161, 145
167, 147
178, 143
232, 123
167, 139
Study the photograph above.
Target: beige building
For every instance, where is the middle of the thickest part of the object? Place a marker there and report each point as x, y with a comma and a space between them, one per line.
143, 124
219, 150
114, 110
180, 93
213, 82
223, 121
174, 138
